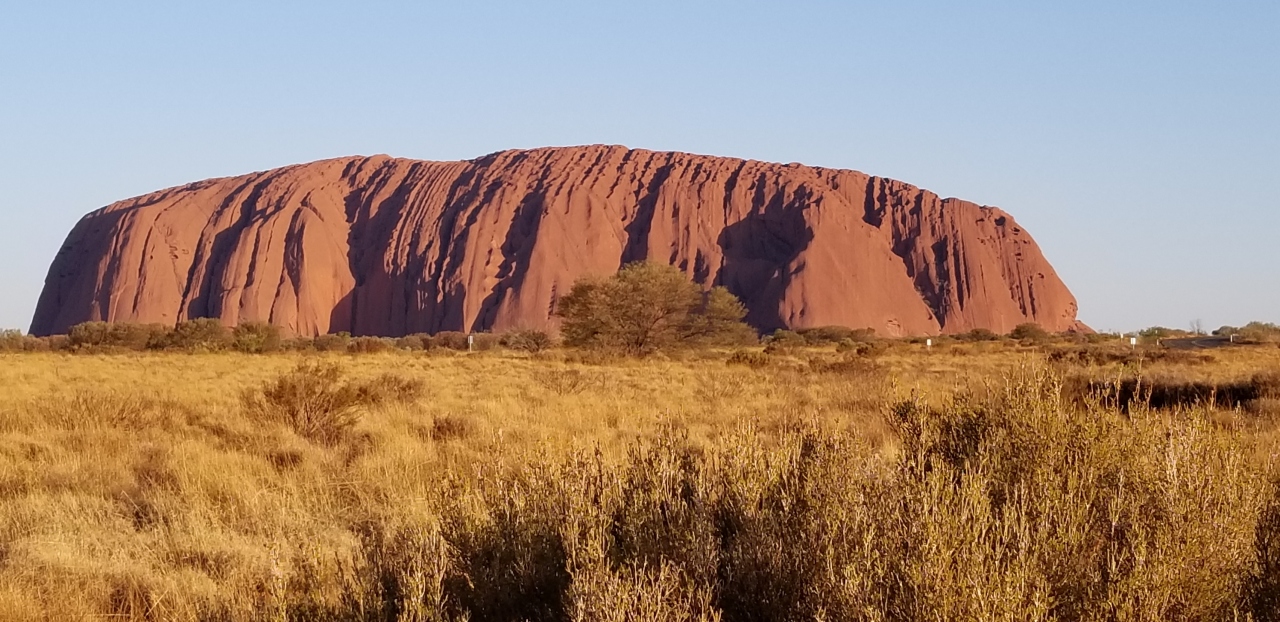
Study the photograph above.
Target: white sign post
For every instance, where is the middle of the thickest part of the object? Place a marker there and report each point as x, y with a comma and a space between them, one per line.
928, 344
1133, 343
471, 341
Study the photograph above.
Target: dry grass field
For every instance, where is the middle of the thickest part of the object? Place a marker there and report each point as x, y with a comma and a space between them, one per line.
979, 481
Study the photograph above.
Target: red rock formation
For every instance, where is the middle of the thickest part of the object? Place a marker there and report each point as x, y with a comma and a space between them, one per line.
386, 246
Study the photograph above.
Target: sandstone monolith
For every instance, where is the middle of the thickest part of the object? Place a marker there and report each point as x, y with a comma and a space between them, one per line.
388, 246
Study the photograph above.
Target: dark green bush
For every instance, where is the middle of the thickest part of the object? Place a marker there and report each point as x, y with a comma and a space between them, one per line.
1030, 332
298, 344
1259, 332
978, 334
863, 348
485, 341
783, 342
199, 335
100, 335
370, 345
827, 335
334, 342
415, 342
532, 341
449, 340
256, 338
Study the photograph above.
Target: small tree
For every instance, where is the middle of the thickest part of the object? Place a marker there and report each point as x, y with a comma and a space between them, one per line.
647, 307
1029, 332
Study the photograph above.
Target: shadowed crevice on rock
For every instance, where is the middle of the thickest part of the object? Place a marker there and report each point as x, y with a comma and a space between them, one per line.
516, 250
373, 212
637, 245
195, 299
341, 319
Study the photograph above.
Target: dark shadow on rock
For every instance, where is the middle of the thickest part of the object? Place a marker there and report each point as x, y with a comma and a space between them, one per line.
759, 251
369, 238
73, 271
637, 245
214, 261
341, 318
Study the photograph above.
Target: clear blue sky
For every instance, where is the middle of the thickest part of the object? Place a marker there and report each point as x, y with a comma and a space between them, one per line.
1137, 141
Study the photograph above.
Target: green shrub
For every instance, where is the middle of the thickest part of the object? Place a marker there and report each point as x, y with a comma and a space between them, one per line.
1164, 392
1259, 332
853, 366
415, 342
333, 342
11, 340
827, 335
1030, 332
100, 335
783, 342
1100, 338
58, 343
298, 344
199, 335
863, 348
449, 340
370, 345
256, 338
531, 341
40, 344
785, 338
978, 334
484, 341
1155, 333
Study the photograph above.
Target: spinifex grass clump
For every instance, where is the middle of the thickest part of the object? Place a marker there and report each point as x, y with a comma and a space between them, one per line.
317, 402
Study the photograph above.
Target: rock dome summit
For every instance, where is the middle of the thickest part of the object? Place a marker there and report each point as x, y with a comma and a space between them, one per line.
390, 246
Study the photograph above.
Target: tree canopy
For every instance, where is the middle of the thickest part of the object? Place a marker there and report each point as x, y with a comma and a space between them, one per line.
647, 307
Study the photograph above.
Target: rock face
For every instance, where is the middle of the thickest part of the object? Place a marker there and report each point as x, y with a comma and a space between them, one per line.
387, 246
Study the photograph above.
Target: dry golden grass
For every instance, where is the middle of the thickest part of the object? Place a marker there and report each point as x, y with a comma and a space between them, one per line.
953, 484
